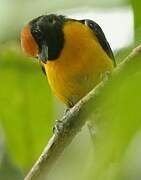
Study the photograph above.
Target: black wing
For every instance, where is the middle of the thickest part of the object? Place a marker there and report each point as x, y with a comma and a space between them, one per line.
101, 37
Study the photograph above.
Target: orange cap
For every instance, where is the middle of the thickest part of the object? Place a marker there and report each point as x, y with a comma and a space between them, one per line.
28, 43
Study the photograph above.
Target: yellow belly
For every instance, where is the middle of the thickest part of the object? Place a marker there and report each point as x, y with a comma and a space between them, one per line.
80, 66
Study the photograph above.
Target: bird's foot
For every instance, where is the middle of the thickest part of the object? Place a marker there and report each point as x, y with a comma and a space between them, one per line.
66, 110
58, 126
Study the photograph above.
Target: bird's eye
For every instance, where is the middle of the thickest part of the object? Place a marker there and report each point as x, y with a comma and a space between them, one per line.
52, 21
37, 33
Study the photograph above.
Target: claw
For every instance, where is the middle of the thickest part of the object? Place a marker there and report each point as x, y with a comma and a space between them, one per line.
66, 110
58, 126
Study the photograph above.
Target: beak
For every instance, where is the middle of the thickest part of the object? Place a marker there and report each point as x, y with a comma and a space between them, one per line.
43, 56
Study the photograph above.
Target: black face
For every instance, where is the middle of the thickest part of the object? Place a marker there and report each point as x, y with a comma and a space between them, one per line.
47, 31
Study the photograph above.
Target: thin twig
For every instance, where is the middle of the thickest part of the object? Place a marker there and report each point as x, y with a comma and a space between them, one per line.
72, 122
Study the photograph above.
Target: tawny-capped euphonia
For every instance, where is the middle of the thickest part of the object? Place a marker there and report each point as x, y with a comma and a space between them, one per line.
74, 54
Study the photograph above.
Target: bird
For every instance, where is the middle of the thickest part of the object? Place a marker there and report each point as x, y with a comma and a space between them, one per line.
74, 54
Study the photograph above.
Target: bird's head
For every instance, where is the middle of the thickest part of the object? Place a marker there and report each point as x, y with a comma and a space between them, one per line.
43, 37
49, 36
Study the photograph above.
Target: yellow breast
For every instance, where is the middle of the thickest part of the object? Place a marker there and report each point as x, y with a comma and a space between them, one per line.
80, 65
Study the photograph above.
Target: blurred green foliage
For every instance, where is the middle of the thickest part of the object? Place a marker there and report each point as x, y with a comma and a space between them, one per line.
118, 120
137, 17
28, 110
